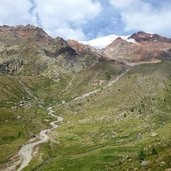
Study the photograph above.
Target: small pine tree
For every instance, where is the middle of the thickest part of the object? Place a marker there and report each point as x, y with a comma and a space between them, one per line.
153, 151
19, 135
142, 155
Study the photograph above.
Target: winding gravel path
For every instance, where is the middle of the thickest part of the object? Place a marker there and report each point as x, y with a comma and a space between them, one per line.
97, 90
26, 151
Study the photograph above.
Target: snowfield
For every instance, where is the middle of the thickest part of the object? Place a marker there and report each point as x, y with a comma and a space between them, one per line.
102, 42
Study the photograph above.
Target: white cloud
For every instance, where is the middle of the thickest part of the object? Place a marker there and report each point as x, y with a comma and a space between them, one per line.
66, 18
69, 33
69, 18
141, 15
14, 12
122, 3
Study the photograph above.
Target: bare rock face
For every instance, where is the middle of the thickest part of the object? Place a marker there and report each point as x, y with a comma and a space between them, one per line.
82, 48
10, 67
79, 48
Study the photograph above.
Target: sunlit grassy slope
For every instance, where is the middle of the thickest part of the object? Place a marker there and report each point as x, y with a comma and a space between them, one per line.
25, 98
124, 127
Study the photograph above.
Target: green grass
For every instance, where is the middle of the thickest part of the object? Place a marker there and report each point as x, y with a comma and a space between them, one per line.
14, 132
100, 132
18, 123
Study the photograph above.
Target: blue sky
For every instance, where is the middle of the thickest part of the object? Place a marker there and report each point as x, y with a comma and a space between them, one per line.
88, 19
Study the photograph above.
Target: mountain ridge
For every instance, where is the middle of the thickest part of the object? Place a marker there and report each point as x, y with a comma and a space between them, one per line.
138, 48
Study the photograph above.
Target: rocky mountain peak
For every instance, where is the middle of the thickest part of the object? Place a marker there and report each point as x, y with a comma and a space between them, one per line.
28, 31
142, 36
79, 47
117, 42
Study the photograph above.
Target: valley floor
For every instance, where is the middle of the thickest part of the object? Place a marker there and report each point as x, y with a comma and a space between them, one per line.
124, 124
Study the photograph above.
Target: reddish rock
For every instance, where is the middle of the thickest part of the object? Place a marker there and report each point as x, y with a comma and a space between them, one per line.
147, 48
78, 47
25, 32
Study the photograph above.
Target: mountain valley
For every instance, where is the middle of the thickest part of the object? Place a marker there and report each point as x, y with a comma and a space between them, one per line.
114, 101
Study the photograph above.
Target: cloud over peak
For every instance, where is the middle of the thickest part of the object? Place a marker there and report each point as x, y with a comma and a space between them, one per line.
143, 15
66, 17
85, 19
11, 12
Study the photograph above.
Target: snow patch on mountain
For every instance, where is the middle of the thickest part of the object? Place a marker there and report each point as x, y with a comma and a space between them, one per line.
102, 42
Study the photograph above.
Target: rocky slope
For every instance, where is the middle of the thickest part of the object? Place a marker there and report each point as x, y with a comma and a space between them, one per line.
148, 48
28, 48
138, 48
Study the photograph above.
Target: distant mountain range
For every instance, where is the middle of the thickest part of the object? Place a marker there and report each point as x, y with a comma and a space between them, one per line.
137, 48
20, 41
